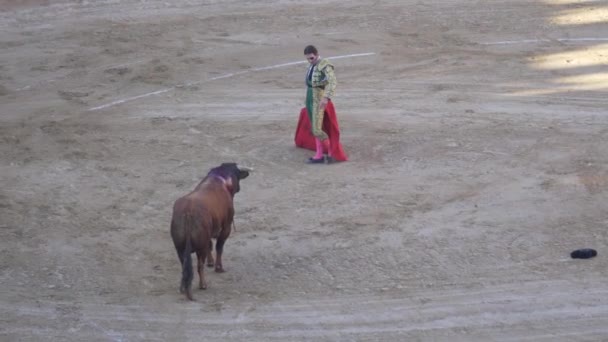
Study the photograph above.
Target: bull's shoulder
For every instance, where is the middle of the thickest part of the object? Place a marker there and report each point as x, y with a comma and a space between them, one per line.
217, 202
213, 196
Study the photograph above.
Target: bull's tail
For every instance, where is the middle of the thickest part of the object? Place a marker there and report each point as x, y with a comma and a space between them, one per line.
187, 274
187, 269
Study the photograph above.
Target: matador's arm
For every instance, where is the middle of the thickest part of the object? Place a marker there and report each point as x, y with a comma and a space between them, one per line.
330, 76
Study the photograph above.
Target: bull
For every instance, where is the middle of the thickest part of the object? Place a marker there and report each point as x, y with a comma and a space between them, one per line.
206, 213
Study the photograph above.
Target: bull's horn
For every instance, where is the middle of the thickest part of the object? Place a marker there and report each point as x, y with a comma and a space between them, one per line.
245, 168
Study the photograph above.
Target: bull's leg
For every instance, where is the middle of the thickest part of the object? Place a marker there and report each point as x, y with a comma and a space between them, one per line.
219, 248
182, 289
210, 262
201, 269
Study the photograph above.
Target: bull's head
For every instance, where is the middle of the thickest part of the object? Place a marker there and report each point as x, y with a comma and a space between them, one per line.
232, 173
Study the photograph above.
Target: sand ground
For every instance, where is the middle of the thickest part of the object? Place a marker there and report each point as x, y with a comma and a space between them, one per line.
477, 135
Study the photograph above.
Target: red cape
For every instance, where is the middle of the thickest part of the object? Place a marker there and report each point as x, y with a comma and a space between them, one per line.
305, 139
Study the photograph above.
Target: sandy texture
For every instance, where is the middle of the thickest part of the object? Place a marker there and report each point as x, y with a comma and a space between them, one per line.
477, 132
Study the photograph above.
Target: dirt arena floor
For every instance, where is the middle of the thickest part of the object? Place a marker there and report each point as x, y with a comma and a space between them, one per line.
477, 133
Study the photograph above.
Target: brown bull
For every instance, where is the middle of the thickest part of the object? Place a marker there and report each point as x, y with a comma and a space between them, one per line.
205, 213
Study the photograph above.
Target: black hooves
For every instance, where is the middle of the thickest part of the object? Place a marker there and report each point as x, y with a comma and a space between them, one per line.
584, 253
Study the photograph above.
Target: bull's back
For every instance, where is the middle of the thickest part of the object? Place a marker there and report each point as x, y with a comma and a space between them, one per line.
210, 206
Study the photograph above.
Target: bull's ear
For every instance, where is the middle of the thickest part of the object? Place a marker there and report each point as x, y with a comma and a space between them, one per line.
243, 174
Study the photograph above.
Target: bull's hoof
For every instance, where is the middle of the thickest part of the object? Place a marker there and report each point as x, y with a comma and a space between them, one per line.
203, 286
219, 270
210, 264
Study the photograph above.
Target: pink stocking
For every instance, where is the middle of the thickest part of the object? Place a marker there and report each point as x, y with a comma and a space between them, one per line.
319, 153
327, 146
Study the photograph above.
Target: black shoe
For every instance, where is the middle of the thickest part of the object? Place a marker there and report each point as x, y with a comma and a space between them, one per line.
584, 253
330, 160
312, 160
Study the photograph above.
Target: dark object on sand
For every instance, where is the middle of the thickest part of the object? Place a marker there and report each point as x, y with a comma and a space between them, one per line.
584, 253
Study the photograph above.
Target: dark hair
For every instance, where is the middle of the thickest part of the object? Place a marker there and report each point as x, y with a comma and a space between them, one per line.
310, 49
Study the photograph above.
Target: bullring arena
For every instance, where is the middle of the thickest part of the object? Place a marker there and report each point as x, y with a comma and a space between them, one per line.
477, 137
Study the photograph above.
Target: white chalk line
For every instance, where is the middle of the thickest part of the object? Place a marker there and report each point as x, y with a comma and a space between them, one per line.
232, 74
117, 102
530, 41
